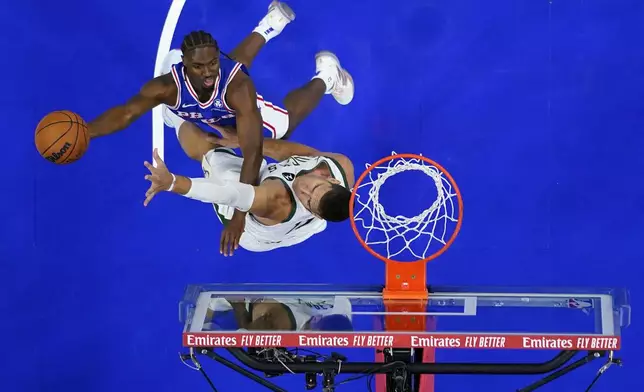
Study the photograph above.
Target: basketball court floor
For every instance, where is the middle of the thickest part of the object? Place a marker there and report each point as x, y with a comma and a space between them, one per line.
536, 108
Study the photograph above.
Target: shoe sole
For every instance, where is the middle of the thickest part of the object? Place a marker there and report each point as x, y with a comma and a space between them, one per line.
353, 88
330, 54
348, 75
286, 11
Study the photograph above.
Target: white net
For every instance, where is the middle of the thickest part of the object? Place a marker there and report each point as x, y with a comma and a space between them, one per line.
420, 235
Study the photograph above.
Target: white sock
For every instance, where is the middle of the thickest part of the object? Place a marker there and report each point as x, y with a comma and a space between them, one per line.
328, 77
266, 31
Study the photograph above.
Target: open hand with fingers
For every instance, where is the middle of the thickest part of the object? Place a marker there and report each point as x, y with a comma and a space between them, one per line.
231, 235
160, 178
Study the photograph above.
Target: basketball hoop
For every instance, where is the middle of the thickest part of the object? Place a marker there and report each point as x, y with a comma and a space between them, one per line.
435, 228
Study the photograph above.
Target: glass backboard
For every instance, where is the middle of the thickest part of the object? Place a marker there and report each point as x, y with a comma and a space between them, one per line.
470, 317
399, 344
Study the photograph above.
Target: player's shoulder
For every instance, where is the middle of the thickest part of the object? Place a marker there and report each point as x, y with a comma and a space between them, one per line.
162, 87
241, 93
164, 81
240, 80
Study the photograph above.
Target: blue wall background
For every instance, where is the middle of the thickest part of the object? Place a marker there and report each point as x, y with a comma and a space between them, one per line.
535, 107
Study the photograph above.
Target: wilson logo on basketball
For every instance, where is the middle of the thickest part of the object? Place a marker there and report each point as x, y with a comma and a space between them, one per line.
57, 155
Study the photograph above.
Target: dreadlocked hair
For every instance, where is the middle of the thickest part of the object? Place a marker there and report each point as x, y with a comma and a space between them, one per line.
197, 39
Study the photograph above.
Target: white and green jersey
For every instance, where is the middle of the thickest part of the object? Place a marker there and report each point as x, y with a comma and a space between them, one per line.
300, 224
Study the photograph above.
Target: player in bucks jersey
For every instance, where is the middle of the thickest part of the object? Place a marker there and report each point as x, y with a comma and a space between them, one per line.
293, 201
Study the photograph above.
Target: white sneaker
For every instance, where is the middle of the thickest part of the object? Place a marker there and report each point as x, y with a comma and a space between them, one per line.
338, 81
278, 16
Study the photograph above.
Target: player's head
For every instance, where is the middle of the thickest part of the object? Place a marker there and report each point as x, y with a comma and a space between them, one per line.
323, 196
270, 315
201, 59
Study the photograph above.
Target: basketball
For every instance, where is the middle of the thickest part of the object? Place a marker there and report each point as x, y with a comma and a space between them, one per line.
62, 137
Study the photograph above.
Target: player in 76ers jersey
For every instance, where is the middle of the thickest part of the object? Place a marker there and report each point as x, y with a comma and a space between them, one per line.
214, 107
293, 201
203, 86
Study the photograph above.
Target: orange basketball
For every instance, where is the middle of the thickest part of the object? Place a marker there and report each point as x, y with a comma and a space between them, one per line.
62, 137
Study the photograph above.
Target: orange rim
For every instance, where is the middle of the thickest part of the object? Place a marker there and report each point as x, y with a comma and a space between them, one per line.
407, 156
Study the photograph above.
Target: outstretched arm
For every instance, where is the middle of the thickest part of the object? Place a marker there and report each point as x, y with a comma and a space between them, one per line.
242, 197
242, 97
157, 91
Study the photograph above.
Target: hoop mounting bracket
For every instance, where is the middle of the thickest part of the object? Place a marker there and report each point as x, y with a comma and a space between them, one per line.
405, 280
